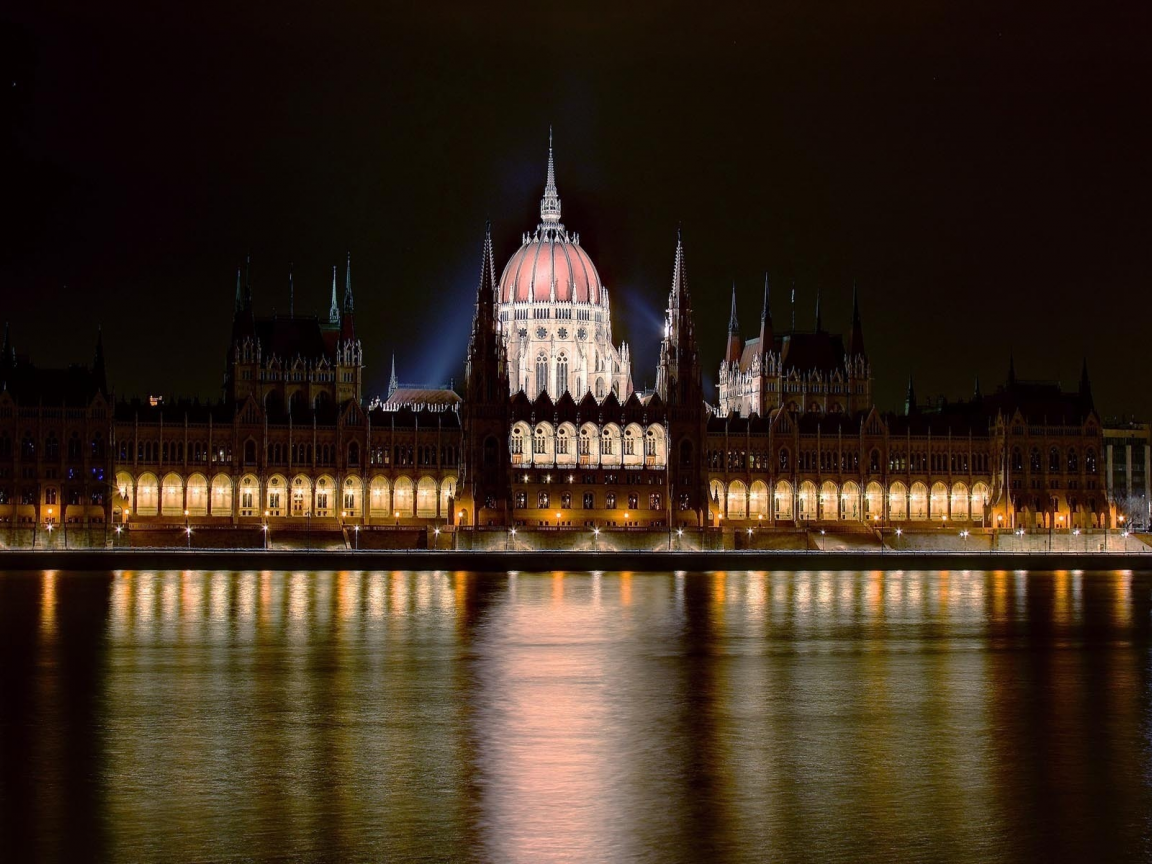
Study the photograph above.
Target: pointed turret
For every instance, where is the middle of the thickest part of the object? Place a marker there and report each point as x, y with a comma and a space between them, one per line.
239, 304
977, 394
348, 319
393, 384
856, 337
678, 380
910, 397
487, 362
766, 335
291, 294
819, 322
733, 349
1086, 386
348, 305
334, 307
248, 281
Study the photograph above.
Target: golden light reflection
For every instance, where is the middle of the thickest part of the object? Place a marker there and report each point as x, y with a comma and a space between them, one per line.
625, 589
1122, 605
48, 605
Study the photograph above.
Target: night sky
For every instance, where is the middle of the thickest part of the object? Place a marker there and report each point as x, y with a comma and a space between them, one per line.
980, 171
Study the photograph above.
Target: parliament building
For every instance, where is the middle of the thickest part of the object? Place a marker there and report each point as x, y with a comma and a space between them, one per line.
548, 431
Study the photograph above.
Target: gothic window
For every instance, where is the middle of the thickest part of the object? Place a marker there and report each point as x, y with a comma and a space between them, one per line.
1073, 461
1090, 461
74, 447
541, 373
539, 442
784, 459
517, 442
52, 448
874, 462
1034, 459
562, 374
353, 453
1053, 460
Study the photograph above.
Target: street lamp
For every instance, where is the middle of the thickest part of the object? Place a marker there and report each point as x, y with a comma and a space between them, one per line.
188, 535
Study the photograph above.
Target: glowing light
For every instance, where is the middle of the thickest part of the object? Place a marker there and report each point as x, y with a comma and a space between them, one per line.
750, 532
679, 532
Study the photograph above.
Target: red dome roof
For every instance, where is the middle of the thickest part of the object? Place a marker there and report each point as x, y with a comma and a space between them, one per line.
549, 256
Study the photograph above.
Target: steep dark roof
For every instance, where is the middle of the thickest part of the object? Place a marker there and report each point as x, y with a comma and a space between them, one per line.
807, 352
288, 337
74, 385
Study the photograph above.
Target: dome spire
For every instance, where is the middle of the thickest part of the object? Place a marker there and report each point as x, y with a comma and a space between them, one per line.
550, 203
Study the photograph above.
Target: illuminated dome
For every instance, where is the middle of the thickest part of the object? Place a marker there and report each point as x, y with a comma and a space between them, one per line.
550, 266
555, 315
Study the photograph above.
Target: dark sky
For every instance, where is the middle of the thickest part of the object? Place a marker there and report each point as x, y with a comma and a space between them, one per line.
981, 169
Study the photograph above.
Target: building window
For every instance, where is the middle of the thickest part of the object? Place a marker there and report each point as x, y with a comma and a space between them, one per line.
566, 501
542, 500
654, 502
610, 500
588, 501
521, 500
633, 501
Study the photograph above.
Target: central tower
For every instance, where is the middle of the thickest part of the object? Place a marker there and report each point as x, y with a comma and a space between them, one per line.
555, 312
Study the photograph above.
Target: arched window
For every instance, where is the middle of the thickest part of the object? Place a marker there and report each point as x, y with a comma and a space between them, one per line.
353, 453
1090, 461
1073, 461
52, 447
1017, 460
541, 372
785, 459
561, 374
1054, 460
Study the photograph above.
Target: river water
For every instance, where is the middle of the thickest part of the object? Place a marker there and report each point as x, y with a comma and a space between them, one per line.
665, 717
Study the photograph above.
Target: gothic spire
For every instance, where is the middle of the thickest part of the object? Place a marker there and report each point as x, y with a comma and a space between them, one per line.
239, 306
334, 308
910, 398
679, 277
291, 293
767, 339
348, 286
819, 322
977, 395
248, 281
856, 337
1086, 385
732, 352
393, 384
550, 203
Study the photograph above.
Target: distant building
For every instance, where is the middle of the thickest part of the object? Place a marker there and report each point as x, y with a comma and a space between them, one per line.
1129, 469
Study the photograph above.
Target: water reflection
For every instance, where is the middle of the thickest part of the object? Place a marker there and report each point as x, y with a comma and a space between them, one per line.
882, 715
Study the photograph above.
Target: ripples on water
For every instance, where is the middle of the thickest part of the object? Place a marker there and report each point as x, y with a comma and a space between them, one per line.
899, 716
